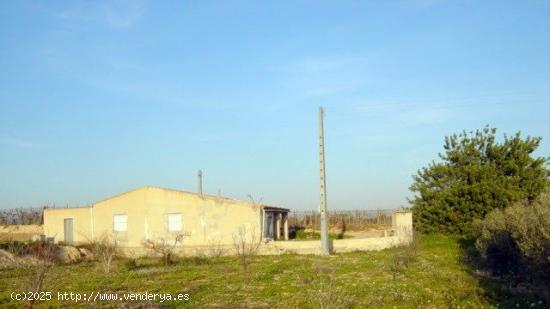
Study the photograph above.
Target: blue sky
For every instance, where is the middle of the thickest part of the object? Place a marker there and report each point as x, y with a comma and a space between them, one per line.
97, 98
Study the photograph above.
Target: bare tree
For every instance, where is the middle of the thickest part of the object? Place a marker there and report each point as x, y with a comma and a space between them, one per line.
21, 216
342, 232
106, 249
164, 247
44, 253
246, 245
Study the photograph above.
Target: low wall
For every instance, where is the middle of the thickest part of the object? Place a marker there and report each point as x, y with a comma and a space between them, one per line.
338, 245
402, 234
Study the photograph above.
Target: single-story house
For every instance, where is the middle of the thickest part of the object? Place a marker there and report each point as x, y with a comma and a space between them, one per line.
151, 213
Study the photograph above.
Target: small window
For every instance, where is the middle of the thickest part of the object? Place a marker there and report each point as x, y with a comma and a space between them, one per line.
120, 223
174, 223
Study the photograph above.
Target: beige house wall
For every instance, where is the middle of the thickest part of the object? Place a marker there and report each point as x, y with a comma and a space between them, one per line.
208, 222
205, 219
401, 234
54, 226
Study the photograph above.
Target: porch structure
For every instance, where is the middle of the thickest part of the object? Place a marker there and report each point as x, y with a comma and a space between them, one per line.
275, 223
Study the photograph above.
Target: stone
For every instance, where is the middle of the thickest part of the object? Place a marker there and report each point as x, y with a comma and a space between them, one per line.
67, 254
7, 259
86, 254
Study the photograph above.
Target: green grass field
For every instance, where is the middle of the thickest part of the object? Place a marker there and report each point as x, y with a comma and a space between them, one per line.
314, 235
435, 278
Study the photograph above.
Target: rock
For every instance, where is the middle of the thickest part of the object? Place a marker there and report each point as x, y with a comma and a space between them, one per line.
67, 254
29, 260
86, 255
10, 260
38, 238
70, 254
7, 259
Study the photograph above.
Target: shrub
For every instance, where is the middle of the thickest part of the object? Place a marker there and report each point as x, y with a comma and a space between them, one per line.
405, 255
13, 246
516, 240
164, 247
215, 249
132, 264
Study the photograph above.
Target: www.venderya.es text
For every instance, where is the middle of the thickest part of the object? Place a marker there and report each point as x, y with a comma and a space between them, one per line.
94, 296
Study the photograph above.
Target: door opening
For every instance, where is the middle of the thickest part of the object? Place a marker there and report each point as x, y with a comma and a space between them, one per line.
268, 226
68, 230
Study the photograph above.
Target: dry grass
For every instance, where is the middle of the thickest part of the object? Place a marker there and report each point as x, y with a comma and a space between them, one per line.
434, 278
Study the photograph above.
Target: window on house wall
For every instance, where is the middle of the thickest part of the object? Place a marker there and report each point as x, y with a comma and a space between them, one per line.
120, 223
174, 222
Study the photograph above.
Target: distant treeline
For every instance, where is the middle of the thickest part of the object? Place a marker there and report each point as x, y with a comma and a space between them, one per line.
21, 216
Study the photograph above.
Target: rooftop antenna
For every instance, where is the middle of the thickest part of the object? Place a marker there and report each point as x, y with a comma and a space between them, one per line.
325, 247
199, 182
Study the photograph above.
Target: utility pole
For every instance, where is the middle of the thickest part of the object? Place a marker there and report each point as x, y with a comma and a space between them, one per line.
325, 247
199, 182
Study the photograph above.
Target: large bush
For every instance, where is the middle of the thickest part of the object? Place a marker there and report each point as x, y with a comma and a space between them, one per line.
517, 239
476, 174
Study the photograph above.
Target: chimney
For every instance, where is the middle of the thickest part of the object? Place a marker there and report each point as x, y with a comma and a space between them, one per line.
199, 181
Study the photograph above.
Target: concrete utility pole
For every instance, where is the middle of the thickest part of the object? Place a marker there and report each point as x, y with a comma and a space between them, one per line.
199, 181
325, 246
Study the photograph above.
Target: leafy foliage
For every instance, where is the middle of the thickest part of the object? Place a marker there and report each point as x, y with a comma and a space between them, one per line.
476, 174
516, 240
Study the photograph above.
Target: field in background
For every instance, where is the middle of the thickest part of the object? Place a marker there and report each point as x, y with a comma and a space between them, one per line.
20, 232
351, 220
435, 277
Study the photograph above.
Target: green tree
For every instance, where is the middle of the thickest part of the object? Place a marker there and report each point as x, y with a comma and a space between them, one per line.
475, 175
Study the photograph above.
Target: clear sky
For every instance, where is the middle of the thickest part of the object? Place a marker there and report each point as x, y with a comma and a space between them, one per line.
98, 98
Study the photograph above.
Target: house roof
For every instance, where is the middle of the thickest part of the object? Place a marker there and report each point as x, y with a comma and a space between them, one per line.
268, 207
208, 196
